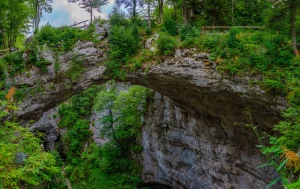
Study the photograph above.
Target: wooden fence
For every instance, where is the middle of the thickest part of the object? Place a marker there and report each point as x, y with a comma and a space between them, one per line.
228, 27
84, 24
3, 52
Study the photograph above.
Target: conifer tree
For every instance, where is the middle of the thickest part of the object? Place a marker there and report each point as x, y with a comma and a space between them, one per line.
90, 5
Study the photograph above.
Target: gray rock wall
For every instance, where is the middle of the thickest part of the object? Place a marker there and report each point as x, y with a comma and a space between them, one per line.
196, 152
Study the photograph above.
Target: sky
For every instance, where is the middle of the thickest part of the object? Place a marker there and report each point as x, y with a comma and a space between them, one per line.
65, 13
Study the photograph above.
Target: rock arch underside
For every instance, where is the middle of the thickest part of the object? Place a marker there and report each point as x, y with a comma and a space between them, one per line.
194, 134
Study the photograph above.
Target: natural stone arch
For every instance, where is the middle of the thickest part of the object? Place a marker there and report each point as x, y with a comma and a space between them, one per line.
201, 111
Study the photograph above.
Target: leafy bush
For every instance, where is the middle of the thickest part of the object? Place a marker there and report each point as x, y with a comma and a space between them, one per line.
24, 164
76, 69
124, 43
15, 62
171, 26
166, 44
3, 69
62, 39
188, 32
111, 165
118, 18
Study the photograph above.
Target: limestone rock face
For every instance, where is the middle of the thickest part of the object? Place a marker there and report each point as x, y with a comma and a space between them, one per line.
47, 125
194, 134
54, 85
186, 151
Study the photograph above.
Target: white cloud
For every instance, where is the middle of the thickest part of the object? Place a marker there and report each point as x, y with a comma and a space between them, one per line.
76, 14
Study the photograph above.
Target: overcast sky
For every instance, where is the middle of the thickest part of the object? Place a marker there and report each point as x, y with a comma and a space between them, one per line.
65, 13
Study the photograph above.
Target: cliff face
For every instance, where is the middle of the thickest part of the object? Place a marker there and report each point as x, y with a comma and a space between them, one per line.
187, 151
194, 134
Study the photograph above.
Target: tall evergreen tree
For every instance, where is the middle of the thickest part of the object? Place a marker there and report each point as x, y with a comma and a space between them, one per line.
131, 5
90, 5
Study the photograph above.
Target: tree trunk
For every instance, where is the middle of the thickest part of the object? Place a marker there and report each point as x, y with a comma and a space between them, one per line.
149, 19
37, 15
4, 40
113, 130
232, 11
91, 16
174, 9
91, 13
161, 10
134, 10
293, 30
184, 10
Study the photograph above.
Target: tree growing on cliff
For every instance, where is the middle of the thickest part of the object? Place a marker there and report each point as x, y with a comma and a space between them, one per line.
123, 119
90, 5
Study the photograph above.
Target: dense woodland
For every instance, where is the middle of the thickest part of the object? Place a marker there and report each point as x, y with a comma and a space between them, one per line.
270, 52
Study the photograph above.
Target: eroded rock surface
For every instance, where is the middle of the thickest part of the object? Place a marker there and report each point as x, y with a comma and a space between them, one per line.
187, 151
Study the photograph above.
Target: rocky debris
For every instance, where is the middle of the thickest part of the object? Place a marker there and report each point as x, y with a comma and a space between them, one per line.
150, 43
102, 30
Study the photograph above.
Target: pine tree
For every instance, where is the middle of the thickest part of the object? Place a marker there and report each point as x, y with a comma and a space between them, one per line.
90, 5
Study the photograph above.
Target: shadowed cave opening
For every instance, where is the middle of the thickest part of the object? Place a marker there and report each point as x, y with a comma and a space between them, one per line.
155, 185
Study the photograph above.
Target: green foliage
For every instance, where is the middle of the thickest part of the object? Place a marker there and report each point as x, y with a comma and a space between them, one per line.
269, 55
165, 44
79, 107
73, 116
76, 69
74, 140
57, 38
23, 163
112, 165
15, 62
118, 18
3, 74
188, 31
171, 26
189, 34
15, 18
63, 38
124, 42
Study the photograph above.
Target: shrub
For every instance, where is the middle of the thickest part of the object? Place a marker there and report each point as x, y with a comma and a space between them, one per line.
15, 62
124, 43
2, 70
165, 44
62, 39
232, 41
118, 18
188, 32
171, 26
